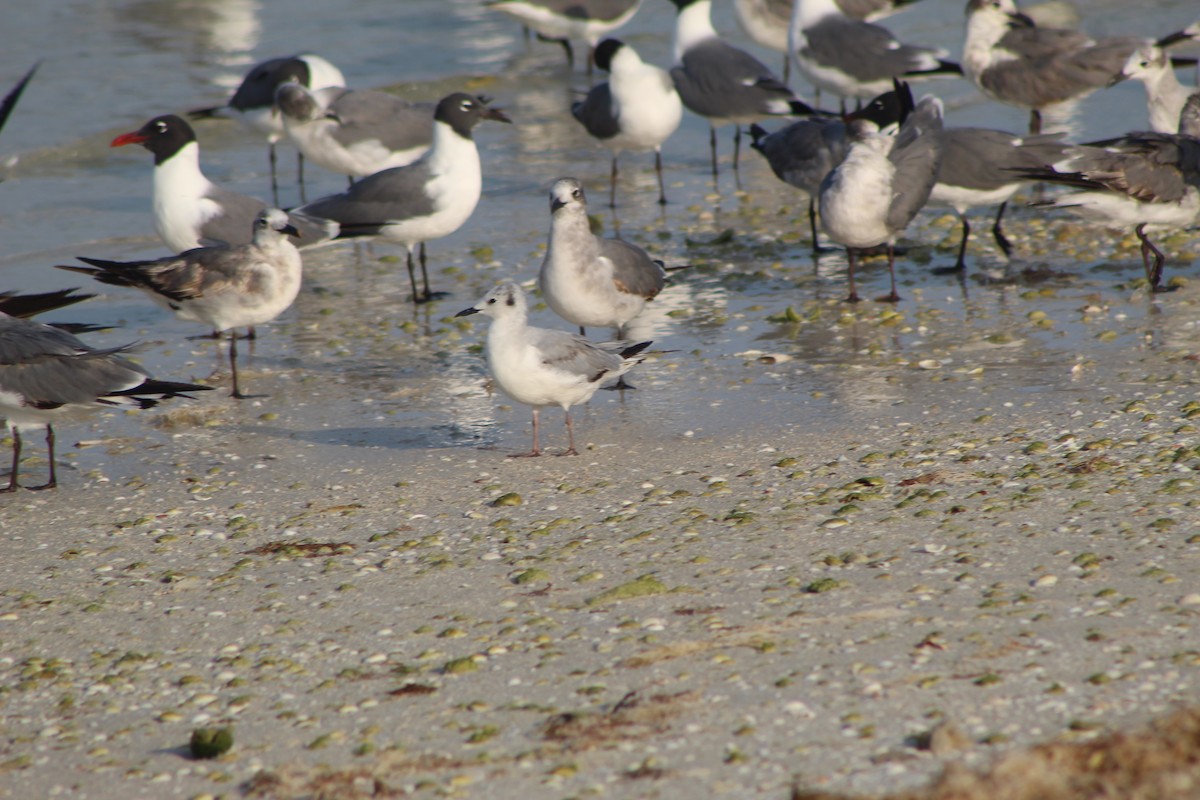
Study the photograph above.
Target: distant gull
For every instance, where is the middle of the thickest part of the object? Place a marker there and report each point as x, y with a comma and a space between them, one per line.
541, 367
225, 287
253, 103
803, 153
1142, 180
721, 82
766, 22
354, 132
636, 109
854, 58
587, 280
979, 167
563, 20
47, 375
191, 211
428, 199
1165, 95
885, 179
1010, 59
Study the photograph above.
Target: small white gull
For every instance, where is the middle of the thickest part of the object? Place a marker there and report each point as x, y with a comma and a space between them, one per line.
541, 367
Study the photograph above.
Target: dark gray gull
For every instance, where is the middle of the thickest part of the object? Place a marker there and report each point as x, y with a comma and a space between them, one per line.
191, 211
1165, 95
354, 132
588, 280
855, 58
803, 153
253, 103
563, 20
1013, 60
225, 287
48, 375
1140, 180
884, 180
428, 199
637, 108
980, 167
541, 367
721, 82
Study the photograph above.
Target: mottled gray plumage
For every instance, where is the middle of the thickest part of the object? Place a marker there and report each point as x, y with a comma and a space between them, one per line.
916, 156
865, 51
721, 82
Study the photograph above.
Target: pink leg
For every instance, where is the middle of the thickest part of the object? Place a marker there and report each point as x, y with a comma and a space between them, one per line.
536, 451
570, 451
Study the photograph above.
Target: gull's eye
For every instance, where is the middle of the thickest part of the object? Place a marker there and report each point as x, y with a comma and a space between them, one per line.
491, 301
161, 127
576, 193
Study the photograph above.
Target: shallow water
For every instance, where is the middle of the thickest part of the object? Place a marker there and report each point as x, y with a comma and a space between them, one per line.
354, 364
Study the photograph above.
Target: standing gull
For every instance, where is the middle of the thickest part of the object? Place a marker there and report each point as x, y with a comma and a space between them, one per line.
191, 211
587, 280
428, 199
1142, 180
720, 82
854, 58
47, 374
1010, 59
354, 132
766, 22
253, 103
541, 367
225, 287
885, 179
980, 167
636, 109
803, 153
563, 20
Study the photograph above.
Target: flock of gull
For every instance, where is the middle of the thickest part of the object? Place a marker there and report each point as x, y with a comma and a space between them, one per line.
415, 176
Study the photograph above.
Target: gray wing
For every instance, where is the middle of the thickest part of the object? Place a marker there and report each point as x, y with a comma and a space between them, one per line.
390, 195
634, 272
1033, 43
987, 159
235, 222
50, 368
588, 9
1151, 167
186, 276
596, 112
916, 156
803, 153
573, 354
863, 50
721, 81
394, 122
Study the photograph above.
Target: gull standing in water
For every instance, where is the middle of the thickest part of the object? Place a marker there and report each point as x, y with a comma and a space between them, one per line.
885, 179
225, 287
541, 367
428, 199
253, 104
721, 82
48, 375
636, 109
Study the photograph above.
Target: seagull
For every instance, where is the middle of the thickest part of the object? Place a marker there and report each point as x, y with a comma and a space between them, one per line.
254, 101
587, 280
48, 374
1143, 179
766, 22
563, 20
883, 182
803, 153
853, 58
1010, 59
226, 287
191, 211
354, 132
1165, 95
979, 167
541, 367
428, 199
637, 109
721, 82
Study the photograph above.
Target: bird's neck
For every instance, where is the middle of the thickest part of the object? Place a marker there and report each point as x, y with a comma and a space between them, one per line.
180, 174
570, 232
693, 25
450, 149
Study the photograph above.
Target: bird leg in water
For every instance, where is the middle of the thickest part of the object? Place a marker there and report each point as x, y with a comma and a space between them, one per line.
53, 482
998, 232
1153, 274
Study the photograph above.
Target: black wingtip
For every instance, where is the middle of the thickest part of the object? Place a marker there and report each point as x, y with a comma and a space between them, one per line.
206, 113
635, 349
10, 99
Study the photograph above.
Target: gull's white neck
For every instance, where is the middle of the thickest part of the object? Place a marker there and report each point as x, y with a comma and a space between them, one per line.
692, 26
